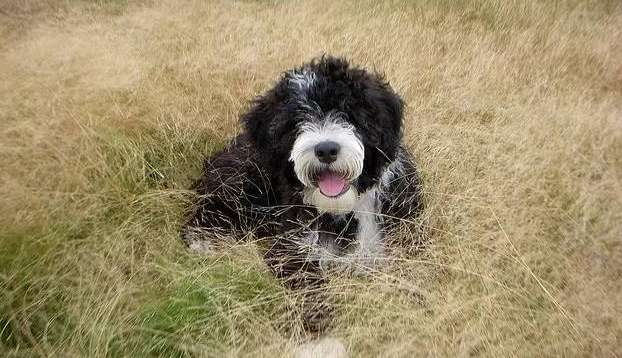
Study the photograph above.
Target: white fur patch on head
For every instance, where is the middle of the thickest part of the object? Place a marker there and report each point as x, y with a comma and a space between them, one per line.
331, 128
302, 81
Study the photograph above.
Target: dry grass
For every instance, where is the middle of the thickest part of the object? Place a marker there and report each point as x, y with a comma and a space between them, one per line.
515, 116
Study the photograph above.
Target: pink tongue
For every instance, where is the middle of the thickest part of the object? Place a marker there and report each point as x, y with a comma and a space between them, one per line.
331, 184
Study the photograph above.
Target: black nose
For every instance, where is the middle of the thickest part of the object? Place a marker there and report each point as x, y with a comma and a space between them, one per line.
327, 151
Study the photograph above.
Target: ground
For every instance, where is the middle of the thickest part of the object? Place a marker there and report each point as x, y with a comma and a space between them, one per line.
514, 115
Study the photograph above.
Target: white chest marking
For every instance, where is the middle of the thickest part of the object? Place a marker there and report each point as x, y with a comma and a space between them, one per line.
367, 207
369, 246
369, 243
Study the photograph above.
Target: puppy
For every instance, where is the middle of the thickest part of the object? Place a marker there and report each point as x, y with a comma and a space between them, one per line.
319, 173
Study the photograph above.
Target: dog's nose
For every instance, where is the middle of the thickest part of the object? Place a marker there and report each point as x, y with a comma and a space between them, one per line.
327, 151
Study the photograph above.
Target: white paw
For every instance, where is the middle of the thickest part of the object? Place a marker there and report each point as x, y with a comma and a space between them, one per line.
364, 261
360, 262
200, 246
322, 348
197, 242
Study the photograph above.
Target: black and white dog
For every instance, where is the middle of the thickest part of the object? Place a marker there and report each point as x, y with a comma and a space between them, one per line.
320, 173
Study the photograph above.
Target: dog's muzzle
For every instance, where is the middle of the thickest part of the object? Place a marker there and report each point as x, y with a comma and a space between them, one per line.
328, 158
325, 152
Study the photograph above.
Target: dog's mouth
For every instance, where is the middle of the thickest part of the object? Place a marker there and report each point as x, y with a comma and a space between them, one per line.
332, 184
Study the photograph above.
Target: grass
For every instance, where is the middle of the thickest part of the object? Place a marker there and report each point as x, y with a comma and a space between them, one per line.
108, 107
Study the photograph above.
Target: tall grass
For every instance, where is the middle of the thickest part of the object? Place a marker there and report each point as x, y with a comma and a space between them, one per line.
514, 114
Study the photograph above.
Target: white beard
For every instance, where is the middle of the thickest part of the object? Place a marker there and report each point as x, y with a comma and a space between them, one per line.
345, 203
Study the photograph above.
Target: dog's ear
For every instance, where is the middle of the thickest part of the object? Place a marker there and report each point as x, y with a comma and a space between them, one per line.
257, 120
389, 111
383, 110
394, 110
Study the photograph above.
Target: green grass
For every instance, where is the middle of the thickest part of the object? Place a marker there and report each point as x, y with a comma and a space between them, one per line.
213, 312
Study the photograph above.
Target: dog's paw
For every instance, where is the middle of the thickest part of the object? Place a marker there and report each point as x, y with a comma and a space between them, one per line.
359, 263
322, 348
364, 261
200, 246
196, 241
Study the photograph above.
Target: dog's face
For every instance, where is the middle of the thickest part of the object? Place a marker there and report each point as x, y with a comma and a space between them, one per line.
329, 130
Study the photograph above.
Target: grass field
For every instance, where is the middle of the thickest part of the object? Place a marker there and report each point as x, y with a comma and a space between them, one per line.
514, 114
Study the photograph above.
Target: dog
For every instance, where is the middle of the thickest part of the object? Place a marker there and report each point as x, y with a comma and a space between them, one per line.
319, 173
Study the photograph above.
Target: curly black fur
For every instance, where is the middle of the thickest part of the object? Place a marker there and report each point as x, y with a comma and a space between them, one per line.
251, 185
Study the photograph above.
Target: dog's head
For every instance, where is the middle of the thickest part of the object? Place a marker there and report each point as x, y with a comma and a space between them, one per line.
328, 129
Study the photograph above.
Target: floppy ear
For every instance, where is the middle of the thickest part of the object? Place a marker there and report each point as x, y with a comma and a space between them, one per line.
383, 110
258, 119
394, 110
388, 108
